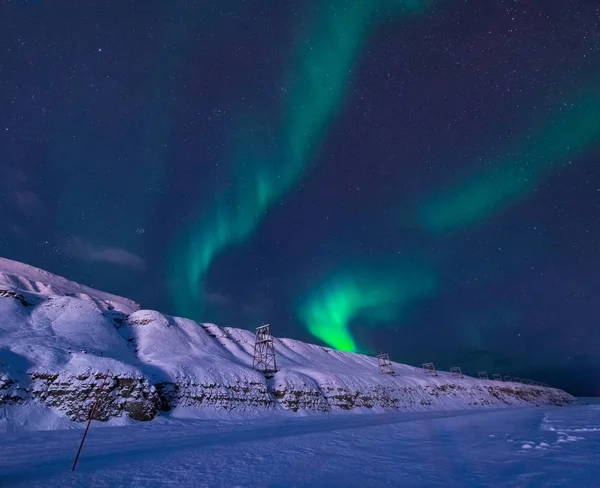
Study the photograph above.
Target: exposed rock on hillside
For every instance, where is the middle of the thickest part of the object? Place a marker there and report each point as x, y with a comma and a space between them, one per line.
58, 339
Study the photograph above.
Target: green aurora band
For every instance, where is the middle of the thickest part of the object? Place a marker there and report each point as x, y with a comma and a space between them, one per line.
564, 137
372, 297
328, 311
264, 171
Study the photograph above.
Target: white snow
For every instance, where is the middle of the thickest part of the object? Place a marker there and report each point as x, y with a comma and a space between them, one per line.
435, 449
52, 326
26, 278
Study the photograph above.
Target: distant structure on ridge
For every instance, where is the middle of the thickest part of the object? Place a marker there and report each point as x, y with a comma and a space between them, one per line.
385, 365
429, 369
264, 351
483, 375
455, 370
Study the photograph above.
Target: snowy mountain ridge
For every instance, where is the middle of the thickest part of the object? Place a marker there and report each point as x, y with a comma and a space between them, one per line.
58, 339
25, 278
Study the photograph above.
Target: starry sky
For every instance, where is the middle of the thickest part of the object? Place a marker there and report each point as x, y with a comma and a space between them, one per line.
415, 177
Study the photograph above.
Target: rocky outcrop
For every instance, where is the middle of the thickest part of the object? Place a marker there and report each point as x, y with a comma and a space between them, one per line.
443, 396
75, 395
10, 391
192, 393
137, 398
294, 400
17, 296
58, 337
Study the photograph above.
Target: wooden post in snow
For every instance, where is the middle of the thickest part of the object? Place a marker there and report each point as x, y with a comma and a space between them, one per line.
91, 416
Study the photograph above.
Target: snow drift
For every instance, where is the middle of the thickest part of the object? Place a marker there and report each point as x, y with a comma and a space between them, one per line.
58, 339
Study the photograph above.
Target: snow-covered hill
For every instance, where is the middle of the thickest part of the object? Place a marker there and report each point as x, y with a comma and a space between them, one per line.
58, 338
25, 278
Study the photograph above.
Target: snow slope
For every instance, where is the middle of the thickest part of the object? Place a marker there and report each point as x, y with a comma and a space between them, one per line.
37, 282
58, 339
533, 447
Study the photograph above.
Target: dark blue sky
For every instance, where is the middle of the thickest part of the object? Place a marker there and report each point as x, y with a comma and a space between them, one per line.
421, 181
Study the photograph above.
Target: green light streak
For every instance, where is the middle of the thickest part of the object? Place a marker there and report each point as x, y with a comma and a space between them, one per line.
265, 170
372, 297
376, 298
485, 193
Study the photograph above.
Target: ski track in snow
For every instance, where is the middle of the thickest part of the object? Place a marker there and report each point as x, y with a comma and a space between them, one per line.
467, 448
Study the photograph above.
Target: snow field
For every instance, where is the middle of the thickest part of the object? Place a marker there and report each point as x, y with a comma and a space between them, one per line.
434, 449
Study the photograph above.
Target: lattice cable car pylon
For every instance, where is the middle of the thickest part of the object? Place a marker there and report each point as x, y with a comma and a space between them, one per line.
385, 365
264, 351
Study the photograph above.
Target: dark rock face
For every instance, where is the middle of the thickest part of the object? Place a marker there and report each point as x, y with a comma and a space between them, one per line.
295, 400
17, 296
10, 392
76, 395
138, 398
331, 397
194, 393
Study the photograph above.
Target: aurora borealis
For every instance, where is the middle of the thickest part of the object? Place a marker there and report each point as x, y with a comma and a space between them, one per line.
369, 293
266, 168
415, 177
574, 129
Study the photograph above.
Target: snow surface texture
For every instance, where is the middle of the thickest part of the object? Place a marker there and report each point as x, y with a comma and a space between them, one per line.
447, 449
58, 339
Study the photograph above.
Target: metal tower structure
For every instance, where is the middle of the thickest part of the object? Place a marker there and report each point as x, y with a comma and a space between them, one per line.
264, 351
483, 375
429, 369
496, 376
385, 365
455, 370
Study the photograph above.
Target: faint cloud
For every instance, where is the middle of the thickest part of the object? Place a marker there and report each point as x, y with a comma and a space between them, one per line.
29, 202
256, 309
259, 304
216, 298
86, 251
16, 195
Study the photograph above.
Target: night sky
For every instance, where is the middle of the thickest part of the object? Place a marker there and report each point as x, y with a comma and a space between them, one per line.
413, 177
